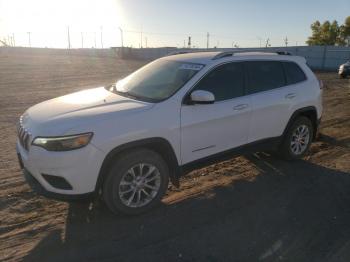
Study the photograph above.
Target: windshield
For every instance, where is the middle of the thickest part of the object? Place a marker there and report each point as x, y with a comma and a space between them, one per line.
156, 81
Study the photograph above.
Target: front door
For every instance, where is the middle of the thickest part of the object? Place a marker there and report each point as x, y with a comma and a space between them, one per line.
212, 128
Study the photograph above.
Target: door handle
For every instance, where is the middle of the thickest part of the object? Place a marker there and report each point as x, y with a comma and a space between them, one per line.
290, 96
240, 107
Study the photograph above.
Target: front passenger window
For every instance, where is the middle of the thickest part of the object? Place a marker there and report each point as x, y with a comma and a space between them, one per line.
225, 81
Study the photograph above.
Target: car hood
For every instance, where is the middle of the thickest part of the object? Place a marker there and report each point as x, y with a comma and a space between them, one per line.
59, 115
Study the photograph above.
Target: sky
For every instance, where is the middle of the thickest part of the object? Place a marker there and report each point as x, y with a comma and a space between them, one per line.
155, 23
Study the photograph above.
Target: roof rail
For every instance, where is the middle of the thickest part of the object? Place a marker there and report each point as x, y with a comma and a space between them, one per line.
223, 54
179, 52
283, 53
232, 53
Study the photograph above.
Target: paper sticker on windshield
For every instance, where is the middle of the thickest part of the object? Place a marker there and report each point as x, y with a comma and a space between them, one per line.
194, 67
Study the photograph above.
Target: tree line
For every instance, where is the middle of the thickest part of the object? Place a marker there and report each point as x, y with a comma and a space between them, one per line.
329, 33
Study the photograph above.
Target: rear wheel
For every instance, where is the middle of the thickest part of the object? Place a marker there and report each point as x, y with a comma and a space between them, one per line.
136, 182
297, 139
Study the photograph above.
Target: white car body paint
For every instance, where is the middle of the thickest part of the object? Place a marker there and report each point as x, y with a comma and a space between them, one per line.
193, 131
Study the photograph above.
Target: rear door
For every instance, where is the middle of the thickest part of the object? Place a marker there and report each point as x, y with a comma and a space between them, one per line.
272, 98
213, 128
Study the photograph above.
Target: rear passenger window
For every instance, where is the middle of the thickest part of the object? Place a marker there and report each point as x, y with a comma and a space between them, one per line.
264, 75
225, 81
293, 73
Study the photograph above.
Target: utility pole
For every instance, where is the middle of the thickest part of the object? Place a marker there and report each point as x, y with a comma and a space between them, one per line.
101, 37
121, 36
82, 40
141, 37
95, 38
68, 37
13, 39
29, 41
146, 41
207, 40
286, 41
259, 38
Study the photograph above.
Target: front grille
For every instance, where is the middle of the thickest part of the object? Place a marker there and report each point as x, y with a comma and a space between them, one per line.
24, 136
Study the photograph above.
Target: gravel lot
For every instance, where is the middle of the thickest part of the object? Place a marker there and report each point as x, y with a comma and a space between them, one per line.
251, 208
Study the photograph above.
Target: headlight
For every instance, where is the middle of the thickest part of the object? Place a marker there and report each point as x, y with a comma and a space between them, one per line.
63, 143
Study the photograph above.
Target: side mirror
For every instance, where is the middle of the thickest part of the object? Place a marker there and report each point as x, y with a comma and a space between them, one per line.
202, 97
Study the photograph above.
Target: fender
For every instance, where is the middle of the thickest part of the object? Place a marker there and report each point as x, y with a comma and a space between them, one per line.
310, 112
157, 144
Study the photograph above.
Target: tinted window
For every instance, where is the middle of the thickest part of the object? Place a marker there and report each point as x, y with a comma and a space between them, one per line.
264, 75
225, 82
293, 73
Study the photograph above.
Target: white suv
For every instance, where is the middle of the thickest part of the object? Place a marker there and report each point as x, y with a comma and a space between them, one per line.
125, 141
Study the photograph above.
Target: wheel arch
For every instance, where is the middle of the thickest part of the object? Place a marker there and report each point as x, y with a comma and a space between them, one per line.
309, 112
157, 144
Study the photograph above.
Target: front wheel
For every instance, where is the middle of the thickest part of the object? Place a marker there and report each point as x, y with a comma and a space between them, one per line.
297, 139
136, 182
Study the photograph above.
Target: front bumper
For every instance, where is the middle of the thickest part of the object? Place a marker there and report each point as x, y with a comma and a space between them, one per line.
79, 168
40, 190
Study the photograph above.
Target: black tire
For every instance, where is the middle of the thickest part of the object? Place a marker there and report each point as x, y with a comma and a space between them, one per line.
111, 185
286, 149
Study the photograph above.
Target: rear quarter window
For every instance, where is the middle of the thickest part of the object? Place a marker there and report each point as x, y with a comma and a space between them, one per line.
293, 72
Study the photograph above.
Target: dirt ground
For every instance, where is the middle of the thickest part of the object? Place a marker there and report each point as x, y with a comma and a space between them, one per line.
251, 208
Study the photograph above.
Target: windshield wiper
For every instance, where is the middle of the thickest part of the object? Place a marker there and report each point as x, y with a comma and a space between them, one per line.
113, 89
123, 93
